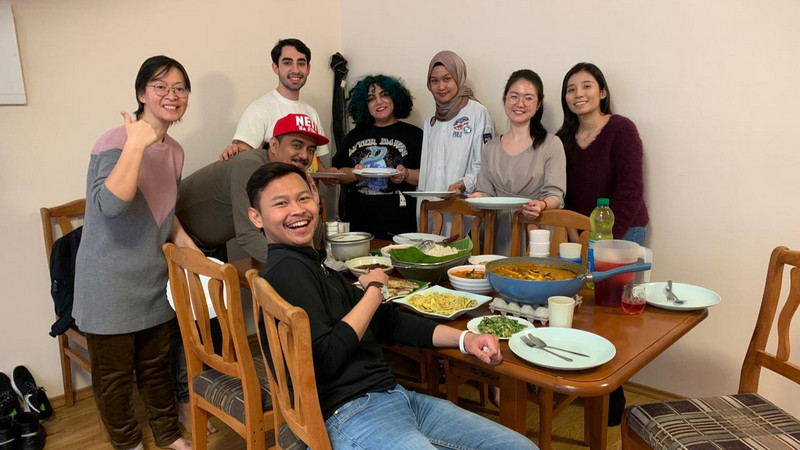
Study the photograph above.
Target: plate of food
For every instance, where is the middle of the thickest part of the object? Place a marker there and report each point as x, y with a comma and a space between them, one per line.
501, 326
416, 238
599, 349
362, 264
376, 172
327, 174
400, 287
427, 193
438, 302
694, 297
497, 202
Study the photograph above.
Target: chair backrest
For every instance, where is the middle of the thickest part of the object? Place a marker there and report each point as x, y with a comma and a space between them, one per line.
461, 212
61, 216
559, 221
185, 267
757, 356
289, 340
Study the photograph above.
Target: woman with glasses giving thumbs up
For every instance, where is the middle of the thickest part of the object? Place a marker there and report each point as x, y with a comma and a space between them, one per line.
120, 271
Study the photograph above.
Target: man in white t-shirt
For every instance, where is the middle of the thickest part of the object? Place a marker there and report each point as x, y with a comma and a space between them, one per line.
291, 61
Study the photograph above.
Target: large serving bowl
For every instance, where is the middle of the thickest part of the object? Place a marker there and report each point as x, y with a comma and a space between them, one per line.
537, 292
356, 265
345, 246
431, 272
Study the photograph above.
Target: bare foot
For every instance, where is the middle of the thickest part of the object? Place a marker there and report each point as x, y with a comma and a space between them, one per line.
185, 418
181, 444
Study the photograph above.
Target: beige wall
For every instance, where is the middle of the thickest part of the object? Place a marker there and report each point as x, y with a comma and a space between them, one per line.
79, 60
709, 84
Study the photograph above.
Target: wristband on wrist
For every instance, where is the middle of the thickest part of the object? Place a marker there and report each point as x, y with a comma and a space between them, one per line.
405, 178
461, 342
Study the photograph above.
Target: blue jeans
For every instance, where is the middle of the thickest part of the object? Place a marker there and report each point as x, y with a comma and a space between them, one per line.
401, 419
635, 234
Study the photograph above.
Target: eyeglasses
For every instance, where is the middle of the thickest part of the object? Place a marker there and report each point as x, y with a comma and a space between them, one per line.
527, 100
162, 90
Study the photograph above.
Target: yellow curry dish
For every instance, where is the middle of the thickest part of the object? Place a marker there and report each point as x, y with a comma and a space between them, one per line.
532, 272
470, 274
442, 303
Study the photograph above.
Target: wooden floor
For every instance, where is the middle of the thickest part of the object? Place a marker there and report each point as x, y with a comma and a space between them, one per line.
77, 427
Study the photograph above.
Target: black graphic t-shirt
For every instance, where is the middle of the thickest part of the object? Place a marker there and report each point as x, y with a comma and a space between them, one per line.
372, 204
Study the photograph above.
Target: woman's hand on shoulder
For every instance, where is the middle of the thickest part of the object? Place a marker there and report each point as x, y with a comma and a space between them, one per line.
139, 133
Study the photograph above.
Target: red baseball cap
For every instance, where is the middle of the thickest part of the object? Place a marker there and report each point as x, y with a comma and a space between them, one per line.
298, 124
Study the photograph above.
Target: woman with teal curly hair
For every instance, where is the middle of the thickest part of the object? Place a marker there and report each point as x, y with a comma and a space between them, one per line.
380, 140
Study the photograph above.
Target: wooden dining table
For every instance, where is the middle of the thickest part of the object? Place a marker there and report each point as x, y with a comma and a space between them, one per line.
638, 339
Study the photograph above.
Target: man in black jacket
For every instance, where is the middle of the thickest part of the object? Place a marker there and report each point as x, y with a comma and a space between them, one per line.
362, 404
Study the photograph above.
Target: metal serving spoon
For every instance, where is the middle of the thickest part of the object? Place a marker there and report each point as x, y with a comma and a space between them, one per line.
541, 344
530, 343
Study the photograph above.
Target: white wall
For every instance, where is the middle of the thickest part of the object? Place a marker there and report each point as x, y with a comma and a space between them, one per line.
710, 86
79, 60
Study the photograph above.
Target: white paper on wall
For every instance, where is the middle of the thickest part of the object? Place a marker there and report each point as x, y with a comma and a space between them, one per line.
12, 87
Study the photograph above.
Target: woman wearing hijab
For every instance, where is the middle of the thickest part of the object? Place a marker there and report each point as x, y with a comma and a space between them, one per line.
454, 134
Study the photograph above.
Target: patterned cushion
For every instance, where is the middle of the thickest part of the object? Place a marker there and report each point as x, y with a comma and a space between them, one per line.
287, 440
741, 421
225, 392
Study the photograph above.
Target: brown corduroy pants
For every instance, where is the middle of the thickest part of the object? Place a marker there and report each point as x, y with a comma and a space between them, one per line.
115, 360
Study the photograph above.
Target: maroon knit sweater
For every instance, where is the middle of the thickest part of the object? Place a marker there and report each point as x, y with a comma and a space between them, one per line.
610, 167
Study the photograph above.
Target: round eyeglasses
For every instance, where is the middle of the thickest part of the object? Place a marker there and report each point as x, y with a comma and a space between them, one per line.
162, 90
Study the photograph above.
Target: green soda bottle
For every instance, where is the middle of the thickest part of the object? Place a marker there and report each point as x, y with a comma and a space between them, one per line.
601, 222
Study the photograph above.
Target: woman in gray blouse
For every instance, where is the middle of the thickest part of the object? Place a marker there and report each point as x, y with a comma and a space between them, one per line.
526, 161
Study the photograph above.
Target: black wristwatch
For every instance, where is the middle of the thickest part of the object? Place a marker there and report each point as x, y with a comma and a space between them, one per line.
381, 287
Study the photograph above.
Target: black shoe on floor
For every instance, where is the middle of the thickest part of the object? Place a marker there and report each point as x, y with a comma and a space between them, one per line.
34, 398
9, 405
31, 433
8, 435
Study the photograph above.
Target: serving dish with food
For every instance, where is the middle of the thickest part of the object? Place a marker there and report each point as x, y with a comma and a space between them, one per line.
438, 302
431, 264
531, 280
501, 326
350, 245
469, 278
363, 264
400, 287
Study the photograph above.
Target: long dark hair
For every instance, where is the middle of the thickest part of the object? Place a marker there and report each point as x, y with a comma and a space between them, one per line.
538, 131
571, 123
154, 67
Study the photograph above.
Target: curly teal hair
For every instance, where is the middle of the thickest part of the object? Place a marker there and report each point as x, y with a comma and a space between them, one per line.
359, 97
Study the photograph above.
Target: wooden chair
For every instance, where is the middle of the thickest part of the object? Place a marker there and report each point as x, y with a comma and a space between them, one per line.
743, 420
289, 340
230, 388
559, 221
72, 344
460, 210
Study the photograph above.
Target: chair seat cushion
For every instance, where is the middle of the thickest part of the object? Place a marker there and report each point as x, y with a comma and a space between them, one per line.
225, 392
741, 421
287, 440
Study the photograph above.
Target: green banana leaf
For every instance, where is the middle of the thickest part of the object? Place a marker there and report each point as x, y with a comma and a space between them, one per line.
414, 255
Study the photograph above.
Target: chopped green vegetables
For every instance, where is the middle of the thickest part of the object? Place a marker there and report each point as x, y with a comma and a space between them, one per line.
500, 326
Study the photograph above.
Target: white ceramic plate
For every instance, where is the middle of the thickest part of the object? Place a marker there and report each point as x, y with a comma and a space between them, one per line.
480, 260
376, 172
695, 297
480, 299
204, 280
599, 349
416, 238
472, 325
327, 174
497, 202
427, 193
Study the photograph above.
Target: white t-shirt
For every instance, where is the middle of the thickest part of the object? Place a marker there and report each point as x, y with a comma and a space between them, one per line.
258, 120
451, 150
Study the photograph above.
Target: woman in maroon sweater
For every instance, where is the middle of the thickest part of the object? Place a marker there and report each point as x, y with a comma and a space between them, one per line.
604, 153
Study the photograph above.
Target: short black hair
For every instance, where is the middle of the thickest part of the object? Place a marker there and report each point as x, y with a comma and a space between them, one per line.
266, 174
290, 42
154, 67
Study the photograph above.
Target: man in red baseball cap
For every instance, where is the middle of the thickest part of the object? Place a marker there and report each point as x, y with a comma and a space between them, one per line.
294, 140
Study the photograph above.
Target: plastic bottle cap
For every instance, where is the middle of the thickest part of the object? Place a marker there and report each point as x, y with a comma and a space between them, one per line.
602, 201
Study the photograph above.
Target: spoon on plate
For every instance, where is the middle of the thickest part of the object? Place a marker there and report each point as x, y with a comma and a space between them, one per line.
671, 295
426, 245
542, 344
530, 343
